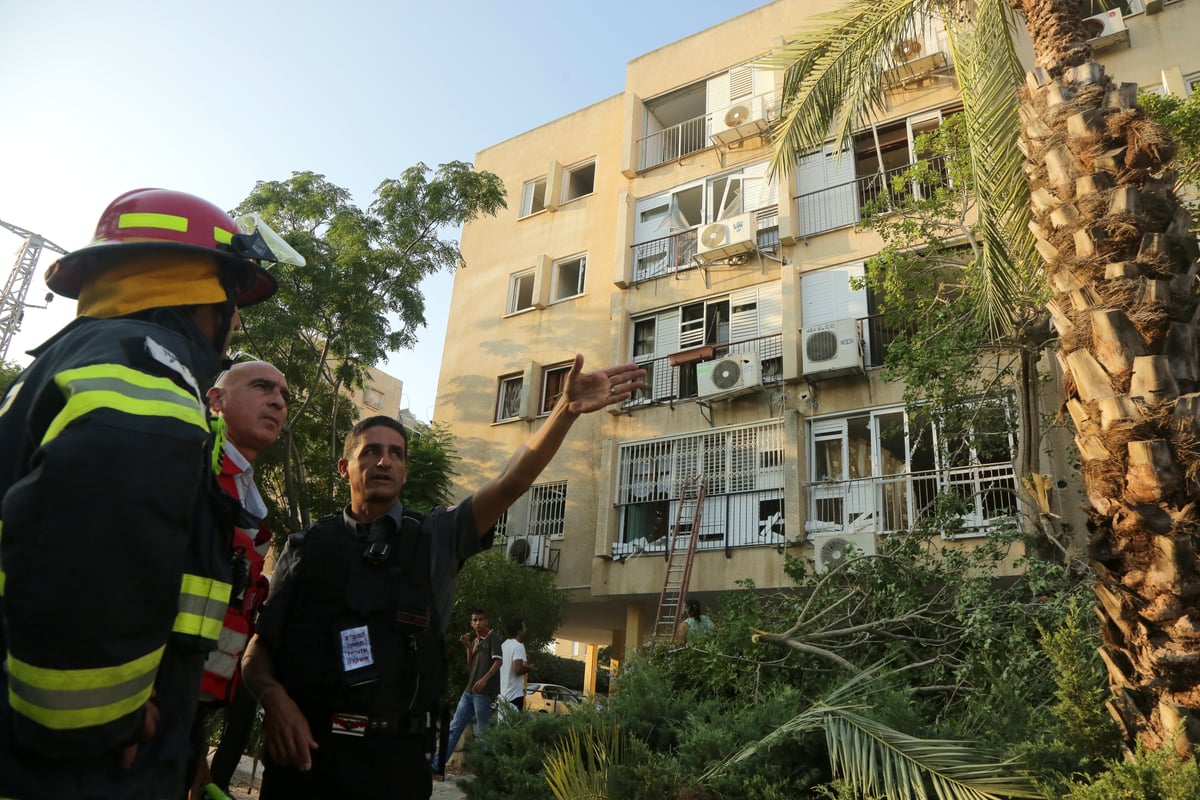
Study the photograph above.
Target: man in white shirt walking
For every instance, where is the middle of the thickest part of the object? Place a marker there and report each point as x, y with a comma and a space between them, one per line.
515, 664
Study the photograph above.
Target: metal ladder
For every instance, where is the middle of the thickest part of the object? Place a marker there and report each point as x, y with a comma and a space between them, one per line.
681, 549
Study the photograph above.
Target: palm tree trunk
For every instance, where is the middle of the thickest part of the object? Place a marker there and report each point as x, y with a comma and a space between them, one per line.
1120, 264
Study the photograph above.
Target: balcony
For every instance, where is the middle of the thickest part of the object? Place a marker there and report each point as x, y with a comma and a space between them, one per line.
840, 206
666, 383
892, 503
676, 252
674, 142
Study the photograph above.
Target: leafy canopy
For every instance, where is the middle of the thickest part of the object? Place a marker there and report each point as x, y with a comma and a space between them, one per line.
356, 299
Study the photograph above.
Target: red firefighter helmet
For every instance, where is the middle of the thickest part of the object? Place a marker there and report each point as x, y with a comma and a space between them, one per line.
161, 219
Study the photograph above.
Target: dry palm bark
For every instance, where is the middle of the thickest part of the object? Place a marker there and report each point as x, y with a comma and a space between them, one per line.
1120, 262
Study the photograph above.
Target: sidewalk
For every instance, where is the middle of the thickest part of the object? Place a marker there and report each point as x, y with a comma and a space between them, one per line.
241, 788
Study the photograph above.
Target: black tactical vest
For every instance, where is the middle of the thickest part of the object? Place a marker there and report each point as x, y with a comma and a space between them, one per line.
344, 584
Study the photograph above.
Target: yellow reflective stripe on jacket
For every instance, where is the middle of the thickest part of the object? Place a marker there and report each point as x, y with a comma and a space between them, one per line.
122, 389
219, 431
202, 604
62, 699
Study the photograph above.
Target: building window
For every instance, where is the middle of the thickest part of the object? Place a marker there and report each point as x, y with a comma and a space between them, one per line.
548, 509
373, 398
500, 530
554, 381
508, 402
884, 469
533, 197
520, 291
568, 278
654, 476
579, 181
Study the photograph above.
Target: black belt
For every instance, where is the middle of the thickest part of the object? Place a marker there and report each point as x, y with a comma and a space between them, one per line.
381, 724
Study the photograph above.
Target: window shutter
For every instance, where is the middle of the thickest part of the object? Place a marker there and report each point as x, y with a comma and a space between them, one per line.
667, 334
826, 295
741, 82
743, 314
770, 309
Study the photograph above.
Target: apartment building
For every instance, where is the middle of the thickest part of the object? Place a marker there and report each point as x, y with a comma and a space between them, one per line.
648, 227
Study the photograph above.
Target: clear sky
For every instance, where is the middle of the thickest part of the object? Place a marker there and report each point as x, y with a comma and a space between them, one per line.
210, 97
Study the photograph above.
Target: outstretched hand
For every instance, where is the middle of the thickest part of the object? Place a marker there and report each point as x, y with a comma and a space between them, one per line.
591, 391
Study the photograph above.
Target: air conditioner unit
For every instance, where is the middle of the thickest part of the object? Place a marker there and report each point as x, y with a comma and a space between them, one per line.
832, 348
528, 551
833, 551
729, 376
741, 120
1106, 29
728, 237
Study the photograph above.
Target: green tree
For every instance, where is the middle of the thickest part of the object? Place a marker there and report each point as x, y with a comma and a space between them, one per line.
356, 299
503, 589
9, 370
431, 460
1078, 165
1182, 118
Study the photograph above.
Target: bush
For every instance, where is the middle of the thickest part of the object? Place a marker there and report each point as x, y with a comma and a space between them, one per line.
1158, 775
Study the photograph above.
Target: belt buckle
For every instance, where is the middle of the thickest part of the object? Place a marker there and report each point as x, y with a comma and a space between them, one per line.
349, 724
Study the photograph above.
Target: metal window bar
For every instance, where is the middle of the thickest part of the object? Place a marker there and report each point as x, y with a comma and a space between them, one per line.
674, 142
548, 509
746, 460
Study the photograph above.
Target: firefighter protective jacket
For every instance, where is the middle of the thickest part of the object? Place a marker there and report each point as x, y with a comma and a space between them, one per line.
114, 555
222, 670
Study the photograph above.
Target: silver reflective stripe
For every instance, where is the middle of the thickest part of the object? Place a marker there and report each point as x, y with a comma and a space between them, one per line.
131, 390
78, 699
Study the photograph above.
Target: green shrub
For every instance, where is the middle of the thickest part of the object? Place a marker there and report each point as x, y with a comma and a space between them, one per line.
1160, 775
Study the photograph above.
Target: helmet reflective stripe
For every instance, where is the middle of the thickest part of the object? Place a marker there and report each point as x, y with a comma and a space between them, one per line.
154, 220
202, 604
62, 699
119, 388
166, 222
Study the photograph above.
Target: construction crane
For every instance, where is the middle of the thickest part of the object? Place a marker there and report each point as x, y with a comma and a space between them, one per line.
12, 301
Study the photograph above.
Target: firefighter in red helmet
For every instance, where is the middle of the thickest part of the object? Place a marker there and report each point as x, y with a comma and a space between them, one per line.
114, 536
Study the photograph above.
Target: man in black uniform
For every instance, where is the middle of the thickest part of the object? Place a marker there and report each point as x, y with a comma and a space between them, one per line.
348, 658
115, 552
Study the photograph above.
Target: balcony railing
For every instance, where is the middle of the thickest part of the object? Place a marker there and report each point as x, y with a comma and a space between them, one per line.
838, 206
674, 253
666, 383
729, 520
674, 142
893, 503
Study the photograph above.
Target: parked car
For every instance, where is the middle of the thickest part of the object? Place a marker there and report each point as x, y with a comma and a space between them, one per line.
550, 698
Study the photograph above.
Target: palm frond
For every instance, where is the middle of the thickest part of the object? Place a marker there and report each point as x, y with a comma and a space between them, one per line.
578, 767
826, 88
879, 761
989, 74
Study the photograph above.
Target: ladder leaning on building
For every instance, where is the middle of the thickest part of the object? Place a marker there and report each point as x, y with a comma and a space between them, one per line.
681, 549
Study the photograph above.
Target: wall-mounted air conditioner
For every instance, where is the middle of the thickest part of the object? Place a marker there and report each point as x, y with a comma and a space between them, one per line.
741, 120
833, 551
728, 237
1106, 29
528, 551
832, 348
729, 376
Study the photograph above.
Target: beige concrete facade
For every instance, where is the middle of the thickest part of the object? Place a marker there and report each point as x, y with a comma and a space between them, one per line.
602, 252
